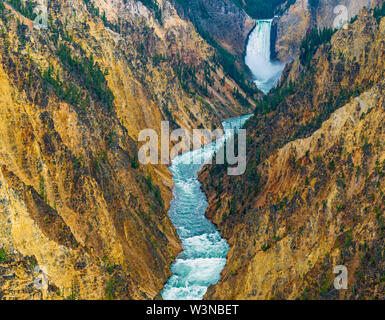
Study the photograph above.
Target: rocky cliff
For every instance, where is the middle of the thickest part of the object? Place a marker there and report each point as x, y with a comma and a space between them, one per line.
223, 21
74, 201
312, 195
303, 15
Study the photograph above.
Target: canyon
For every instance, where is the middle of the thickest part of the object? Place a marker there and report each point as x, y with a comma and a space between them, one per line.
77, 204
292, 26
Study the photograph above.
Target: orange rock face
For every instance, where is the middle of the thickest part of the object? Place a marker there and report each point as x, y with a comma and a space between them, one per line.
75, 202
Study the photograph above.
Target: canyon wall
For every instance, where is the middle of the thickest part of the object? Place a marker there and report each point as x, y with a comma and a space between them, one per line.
74, 200
292, 26
225, 22
312, 196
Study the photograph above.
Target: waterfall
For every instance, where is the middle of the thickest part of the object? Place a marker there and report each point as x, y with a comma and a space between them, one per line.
266, 72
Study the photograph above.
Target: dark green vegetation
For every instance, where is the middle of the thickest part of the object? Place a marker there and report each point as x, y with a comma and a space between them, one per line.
90, 82
311, 89
94, 11
89, 76
262, 9
314, 38
25, 8
77, 79
3, 255
232, 66
90, 79
72, 74
154, 6
88, 72
379, 13
313, 5
229, 63
187, 74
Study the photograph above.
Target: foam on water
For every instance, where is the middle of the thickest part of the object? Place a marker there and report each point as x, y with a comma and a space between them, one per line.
266, 72
204, 253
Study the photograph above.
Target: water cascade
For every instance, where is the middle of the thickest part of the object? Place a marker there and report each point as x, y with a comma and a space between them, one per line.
266, 72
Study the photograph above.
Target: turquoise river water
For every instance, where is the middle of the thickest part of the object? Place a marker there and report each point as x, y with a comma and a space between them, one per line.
204, 253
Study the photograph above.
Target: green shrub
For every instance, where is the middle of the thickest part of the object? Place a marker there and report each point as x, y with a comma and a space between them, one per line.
135, 162
25, 8
110, 290
266, 247
3, 255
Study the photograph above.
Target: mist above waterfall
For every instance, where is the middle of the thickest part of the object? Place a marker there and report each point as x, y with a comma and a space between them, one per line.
266, 72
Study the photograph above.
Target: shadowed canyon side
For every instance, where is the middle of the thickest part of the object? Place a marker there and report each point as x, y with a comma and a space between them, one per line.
73, 97
223, 21
312, 196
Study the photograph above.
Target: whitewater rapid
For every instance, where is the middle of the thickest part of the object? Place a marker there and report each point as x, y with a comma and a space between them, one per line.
204, 253
258, 57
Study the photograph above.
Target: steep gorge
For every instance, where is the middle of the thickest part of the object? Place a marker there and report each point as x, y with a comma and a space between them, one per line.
75, 201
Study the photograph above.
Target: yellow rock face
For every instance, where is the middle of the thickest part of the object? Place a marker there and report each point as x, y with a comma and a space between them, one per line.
281, 257
72, 200
301, 16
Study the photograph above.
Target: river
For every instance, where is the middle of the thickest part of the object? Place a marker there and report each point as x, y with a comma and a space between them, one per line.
204, 253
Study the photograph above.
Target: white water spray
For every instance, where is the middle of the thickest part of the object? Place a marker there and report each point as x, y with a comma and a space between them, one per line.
266, 73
